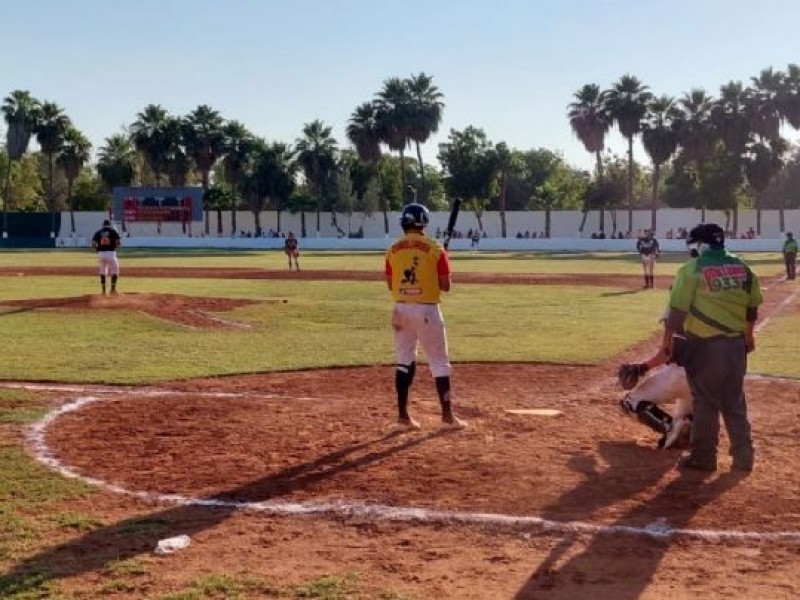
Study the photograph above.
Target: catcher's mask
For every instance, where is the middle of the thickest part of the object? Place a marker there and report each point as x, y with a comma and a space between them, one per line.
706, 235
414, 215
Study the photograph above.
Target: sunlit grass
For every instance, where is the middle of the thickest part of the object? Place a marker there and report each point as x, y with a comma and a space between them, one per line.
767, 263
319, 324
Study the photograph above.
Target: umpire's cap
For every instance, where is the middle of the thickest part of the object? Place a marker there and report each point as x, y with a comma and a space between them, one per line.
106, 223
414, 215
707, 233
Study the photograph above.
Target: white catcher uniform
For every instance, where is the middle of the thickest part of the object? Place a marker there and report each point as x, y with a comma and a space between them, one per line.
664, 385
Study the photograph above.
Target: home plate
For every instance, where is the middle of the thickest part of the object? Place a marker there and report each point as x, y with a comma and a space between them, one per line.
539, 412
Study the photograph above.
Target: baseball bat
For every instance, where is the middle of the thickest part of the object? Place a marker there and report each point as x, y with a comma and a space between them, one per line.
451, 222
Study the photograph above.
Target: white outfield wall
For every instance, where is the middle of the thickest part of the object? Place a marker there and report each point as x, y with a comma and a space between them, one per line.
564, 228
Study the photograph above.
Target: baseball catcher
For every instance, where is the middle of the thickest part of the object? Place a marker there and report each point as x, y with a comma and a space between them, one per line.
666, 383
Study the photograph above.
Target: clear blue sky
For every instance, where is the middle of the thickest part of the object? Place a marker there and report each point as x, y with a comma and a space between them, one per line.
507, 66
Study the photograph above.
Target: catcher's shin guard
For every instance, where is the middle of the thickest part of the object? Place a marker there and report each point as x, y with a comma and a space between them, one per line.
654, 417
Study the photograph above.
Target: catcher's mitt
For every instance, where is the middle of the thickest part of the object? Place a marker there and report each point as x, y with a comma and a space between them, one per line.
629, 374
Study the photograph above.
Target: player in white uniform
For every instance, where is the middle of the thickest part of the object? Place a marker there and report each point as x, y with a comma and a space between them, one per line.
665, 385
417, 271
648, 249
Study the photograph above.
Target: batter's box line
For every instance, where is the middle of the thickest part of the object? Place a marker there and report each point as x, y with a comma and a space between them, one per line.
659, 529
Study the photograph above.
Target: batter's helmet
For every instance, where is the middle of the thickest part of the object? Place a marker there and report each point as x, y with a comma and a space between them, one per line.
707, 233
414, 215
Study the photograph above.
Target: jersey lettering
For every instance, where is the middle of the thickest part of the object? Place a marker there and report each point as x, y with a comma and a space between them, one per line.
720, 278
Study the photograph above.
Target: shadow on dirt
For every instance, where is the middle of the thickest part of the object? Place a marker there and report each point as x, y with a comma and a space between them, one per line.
612, 565
129, 538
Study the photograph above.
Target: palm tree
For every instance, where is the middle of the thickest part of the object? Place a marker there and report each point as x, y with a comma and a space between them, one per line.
660, 141
238, 144
590, 122
696, 134
50, 131
763, 161
257, 180
148, 136
177, 162
627, 104
73, 155
116, 162
205, 143
363, 133
790, 96
730, 118
280, 160
765, 104
21, 113
316, 155
425, 115
393, 113
508, 162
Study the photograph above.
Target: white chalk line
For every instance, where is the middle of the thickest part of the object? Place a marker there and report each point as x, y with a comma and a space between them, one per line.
786, 301
658, 529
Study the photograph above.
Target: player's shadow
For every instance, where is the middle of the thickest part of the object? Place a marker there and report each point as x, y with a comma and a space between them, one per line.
620, 293
4, 311
103, 547
611, 561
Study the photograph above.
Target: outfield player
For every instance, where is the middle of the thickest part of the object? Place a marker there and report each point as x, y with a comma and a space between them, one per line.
291, 250
105, 241
417, 271
647, 247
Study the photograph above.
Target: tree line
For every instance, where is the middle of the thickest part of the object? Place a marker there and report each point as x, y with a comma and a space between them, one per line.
717, 151
707, 153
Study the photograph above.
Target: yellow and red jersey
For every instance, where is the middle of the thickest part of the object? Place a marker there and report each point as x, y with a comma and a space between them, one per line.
414, 264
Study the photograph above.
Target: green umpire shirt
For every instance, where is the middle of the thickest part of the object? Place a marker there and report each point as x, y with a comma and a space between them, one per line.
790, 246
715, 290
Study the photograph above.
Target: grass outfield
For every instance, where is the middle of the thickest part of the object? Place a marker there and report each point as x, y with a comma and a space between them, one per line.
765, 263
327, 323
320, 324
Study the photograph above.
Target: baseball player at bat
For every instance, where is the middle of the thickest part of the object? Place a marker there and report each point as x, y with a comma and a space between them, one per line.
417, 271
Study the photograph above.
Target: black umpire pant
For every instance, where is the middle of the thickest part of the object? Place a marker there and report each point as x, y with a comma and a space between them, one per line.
715, 370
790, 260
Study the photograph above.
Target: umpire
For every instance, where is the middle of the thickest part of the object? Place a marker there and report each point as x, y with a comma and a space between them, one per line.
790, 256
714, 303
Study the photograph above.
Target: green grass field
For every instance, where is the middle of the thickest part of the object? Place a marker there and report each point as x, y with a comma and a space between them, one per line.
303, 324
319, 324
766, 263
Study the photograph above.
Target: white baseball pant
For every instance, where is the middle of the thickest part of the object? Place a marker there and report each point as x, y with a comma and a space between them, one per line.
666, 384
421, 323
108, 263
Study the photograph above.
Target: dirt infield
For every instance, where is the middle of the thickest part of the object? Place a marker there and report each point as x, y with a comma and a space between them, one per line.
410, 504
